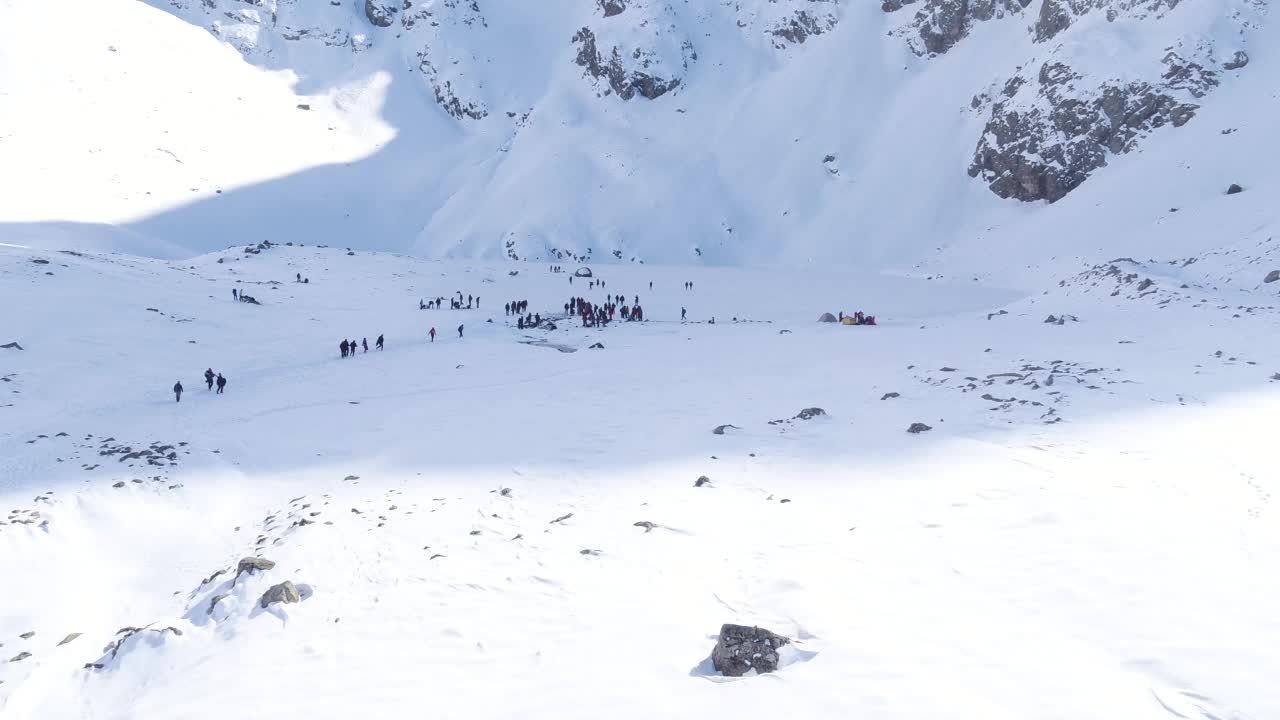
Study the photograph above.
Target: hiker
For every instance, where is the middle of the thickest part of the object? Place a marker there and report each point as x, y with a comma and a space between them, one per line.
506, 309
222, 382
298, 277
421, 305
520, 323
683, 314
650, 284
432, 334
235, 294
343, 347
353, 349
459, 331
468, 301
208, 378
177, 391
378, 343
365, 343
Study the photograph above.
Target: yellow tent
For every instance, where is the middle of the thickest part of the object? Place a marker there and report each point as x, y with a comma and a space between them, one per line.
848, 320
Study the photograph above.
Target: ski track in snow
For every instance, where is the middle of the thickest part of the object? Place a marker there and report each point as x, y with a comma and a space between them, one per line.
1110, 564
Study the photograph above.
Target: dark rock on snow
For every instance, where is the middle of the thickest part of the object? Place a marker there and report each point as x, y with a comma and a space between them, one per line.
1272, 276
741, 649
721, 428
810, 413
251, 564
285, 592
702, 480
917, 428
1234, 189
889, 395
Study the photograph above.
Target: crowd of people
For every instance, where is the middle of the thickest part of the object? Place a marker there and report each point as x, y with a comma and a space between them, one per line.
455, 303
600, 315
349, 348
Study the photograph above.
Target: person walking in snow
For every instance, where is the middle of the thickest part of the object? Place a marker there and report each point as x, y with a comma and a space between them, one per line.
365, 342
298, 277
235, 294
343, 347
378, 343
683, 314
650, 284
506, 309
432, 334
459, 331
208, 378
222, 383
353, 348
177, 391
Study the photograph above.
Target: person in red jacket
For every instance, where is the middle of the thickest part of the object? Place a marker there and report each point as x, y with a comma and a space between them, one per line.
432, 334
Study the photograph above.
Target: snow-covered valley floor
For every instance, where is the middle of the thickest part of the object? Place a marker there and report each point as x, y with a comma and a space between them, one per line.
1087, 531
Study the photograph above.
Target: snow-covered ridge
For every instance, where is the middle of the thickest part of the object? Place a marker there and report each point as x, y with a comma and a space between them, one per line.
726, 132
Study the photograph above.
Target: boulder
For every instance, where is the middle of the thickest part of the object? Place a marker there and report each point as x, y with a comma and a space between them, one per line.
1271, 277
583, 272
1234, 189
917, 428
252, 564
741, 649
10, 346
719, 430
286, 592
889, 395
827, 318
810, 413
702, 480
1237, 61
68, 638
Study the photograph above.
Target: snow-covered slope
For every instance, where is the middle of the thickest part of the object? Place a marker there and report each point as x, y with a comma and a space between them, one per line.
751, 131
508, 524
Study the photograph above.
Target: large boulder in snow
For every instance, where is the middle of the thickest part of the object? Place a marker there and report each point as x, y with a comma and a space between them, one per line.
1272, 276
742, 648
253, 564
583, 271
285, 592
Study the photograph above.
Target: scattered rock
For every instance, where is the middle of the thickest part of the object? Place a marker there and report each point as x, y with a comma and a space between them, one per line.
11, 346
917, 428
741, 649
1271, 277
252, 564
702, 480
286, 592
349, 478
28, 635
1234, 189
20, 657
810, 413
597, 346
648, 526
561, 519
721, 428
40, 261
889, 395
301, 106
69, 638
998, 312
118, 484
1237, 61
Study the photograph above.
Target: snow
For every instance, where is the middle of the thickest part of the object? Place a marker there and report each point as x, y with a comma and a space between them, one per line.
1105, 565
1085, 532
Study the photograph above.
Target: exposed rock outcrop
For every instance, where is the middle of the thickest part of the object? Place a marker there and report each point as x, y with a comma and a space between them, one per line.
939, 24
1047, 135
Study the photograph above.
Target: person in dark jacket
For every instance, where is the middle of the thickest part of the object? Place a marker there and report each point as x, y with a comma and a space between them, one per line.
208, 378
222, 383
364, 342
379, 342
459, 331
177, 391
344, 348
235, 294
432, 334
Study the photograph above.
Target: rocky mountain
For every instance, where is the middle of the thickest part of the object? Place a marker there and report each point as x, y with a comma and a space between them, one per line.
661, 130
